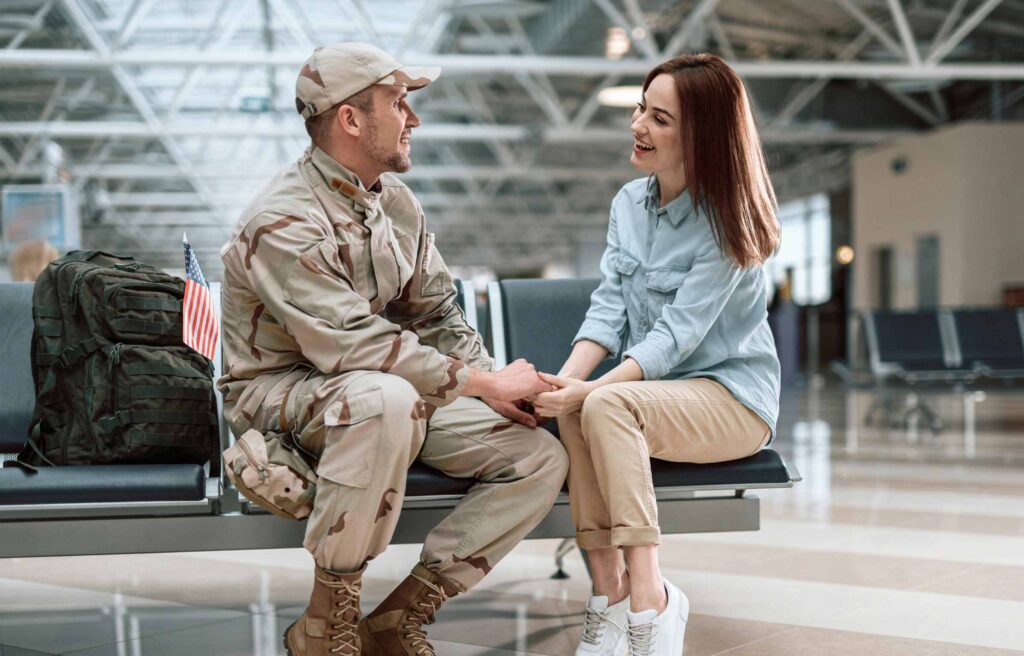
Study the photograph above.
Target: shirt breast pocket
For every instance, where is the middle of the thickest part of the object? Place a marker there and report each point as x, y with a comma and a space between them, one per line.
435, 276
662, 285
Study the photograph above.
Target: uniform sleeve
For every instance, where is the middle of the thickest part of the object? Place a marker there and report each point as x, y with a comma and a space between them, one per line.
606, 317
687, 319
427, 307
304, 280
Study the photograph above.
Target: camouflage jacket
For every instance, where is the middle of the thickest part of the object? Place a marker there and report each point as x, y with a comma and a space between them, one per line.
322, 272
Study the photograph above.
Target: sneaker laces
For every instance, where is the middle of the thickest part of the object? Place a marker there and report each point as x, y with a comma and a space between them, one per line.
641, 639
348, 615
594, 624
423, 614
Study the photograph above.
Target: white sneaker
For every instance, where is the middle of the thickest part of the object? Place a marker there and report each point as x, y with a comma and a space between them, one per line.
651, 634
604, 628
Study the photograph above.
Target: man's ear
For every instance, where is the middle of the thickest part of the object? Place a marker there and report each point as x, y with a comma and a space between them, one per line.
349, 119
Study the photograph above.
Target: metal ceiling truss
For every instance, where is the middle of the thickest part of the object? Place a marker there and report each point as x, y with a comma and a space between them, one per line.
516, 159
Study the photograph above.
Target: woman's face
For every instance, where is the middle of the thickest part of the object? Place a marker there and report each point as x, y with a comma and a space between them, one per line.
657, 139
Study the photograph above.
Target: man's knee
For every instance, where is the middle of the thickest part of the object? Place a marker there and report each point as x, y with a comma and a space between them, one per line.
543, 454
398, 397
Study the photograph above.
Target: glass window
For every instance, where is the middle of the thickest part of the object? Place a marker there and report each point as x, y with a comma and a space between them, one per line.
806, 249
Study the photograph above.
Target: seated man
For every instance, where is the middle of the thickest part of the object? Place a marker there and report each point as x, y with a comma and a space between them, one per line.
340, 326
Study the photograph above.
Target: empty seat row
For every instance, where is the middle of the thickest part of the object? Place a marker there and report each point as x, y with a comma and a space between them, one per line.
961, 344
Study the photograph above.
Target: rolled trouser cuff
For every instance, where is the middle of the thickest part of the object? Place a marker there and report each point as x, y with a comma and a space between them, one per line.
635, 536
599, 539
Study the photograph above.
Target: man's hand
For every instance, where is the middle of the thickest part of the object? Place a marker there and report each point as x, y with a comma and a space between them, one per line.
516, 381
568, 397
514, 410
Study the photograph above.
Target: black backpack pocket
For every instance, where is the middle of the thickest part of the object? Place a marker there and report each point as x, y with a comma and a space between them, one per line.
132, 307
150, 405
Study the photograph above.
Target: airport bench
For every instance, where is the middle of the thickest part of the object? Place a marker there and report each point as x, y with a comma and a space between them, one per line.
164, 508
966, 351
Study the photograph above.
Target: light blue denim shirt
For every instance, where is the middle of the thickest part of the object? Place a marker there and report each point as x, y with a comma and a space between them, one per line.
671, 300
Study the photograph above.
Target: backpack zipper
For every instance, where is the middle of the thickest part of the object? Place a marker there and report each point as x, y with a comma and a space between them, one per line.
261, 471
66, 438
168, 287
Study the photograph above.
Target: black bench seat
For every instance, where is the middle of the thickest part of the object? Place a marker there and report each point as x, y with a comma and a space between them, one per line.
102, 484
764, 468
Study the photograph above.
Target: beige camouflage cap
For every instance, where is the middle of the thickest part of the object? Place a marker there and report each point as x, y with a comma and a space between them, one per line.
335, 72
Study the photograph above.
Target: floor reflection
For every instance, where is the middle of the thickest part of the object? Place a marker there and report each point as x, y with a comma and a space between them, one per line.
897, 541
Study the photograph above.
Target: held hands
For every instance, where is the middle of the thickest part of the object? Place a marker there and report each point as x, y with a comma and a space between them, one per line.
568, 396
517, 381
524, 395
509, 388
518, 411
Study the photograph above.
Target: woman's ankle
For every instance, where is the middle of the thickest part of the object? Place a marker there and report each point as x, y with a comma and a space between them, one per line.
646, 597
615, 592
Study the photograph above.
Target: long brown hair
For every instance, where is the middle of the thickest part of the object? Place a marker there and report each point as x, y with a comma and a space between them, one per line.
725, 169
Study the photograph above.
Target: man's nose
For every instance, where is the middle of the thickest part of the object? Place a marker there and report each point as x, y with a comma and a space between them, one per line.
412, 121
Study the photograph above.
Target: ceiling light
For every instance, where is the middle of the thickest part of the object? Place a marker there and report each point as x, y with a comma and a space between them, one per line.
616, 44
620, 96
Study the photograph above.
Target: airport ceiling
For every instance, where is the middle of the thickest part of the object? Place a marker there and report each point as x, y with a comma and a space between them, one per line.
169, 114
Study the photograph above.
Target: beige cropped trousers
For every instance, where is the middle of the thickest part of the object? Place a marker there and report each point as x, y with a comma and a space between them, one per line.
621, 426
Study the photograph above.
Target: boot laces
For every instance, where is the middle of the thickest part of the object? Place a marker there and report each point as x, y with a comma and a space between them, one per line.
641, 639
423, 614
594, 624
347, 614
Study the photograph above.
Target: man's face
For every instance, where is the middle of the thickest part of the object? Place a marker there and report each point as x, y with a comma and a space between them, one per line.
389, 125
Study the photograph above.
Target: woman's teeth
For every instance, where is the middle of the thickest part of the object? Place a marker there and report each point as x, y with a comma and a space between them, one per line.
642, 146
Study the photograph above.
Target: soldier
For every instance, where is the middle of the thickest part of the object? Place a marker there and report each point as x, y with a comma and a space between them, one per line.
340, 327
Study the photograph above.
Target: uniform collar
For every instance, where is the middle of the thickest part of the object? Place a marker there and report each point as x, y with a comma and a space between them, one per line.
677, 211
342, 181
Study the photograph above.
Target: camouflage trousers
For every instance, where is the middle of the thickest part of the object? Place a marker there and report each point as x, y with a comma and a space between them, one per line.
368, 427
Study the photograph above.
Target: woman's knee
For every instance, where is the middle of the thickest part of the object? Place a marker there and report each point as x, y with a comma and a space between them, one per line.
600, 404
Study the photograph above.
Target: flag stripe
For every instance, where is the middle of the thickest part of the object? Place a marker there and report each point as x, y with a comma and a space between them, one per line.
200, 328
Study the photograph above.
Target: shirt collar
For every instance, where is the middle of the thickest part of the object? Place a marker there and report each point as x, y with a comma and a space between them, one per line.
342, 181
677, 211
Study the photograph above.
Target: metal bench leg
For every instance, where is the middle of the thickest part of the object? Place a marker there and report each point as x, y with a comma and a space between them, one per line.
932, 417
881, 411
970, 434
563, 548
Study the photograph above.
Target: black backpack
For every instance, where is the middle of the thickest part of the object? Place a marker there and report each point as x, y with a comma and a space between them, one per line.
114, 382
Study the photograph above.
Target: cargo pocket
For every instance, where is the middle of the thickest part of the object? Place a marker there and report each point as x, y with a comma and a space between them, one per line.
353, 428
271, 475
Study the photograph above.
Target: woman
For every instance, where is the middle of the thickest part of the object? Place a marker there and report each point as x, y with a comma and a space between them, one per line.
683, 291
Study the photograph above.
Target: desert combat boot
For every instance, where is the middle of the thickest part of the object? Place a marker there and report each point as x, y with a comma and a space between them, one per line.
329, 624
395, 627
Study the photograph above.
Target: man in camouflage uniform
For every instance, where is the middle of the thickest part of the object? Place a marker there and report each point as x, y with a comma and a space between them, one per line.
340, 326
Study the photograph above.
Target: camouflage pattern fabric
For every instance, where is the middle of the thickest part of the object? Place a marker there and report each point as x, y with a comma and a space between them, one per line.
340, 325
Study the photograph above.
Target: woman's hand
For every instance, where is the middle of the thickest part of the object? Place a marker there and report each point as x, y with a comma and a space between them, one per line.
567, 398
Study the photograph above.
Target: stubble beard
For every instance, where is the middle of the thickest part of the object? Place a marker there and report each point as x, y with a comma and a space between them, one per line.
389, 160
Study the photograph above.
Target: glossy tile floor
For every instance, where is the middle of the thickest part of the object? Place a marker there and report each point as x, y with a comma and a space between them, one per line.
896, 542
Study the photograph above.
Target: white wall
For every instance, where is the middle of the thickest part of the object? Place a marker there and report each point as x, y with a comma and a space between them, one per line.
962, 183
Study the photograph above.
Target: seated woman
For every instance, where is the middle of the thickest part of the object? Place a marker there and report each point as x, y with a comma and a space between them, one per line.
683, 298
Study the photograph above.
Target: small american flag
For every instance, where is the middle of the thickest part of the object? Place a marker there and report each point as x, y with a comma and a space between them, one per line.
201, 329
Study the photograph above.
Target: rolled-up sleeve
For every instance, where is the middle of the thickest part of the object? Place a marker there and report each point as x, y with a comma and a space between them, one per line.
606, 317
298, 273
687, 319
